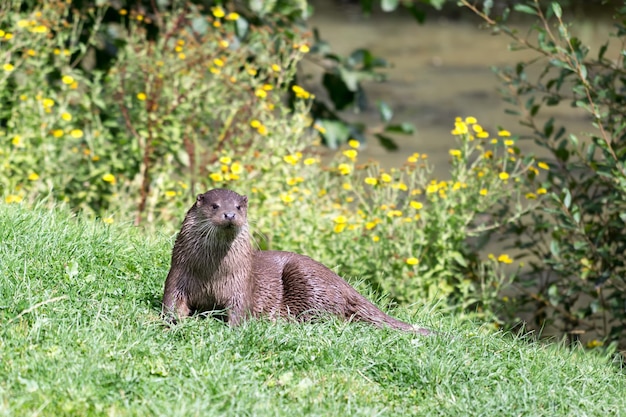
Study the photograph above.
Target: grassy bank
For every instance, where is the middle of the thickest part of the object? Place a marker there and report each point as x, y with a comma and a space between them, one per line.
80, 335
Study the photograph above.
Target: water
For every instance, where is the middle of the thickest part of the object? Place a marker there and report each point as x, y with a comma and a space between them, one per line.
441, 70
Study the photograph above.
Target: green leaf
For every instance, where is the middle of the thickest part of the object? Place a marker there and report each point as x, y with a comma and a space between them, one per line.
389, 5
336, 132
522, 8
386, 114
406, 128
556, 8
386, 142
567, 199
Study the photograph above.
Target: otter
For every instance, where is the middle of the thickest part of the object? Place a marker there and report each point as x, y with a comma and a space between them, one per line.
216, 269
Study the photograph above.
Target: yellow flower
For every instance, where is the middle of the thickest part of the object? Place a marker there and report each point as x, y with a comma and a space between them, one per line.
543, 165
291, 159
477, 128
594, 343
375, 238
304, 49
11, 198
455, 152
339, 228
232, 16
8, 67
346, 186
504, 133
300, 92
123, 12
416, 205
16, 140
412, 261
260, 93
503, 176
255, 124
505, 259
217, 177
371, 181
107, 220
47, 102
482, 135
76, 133
350, 154
531, 196
262, 130
310, 161
344, 169
394, 213
225, 160
460, 128
483, 191
39, 29
287, 198
340, 219
353, 143
33, 176
275, 67
470, 120
223, 43
67, 79
541, 190
218, 62
57, 133
236, 168
268, 87
319, 128
509, 142
412, 159
22, 23
110, 178
170, 193
370, 225
218, 12
385, 177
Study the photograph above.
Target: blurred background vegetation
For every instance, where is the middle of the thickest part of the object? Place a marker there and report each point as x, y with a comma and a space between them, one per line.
363, 124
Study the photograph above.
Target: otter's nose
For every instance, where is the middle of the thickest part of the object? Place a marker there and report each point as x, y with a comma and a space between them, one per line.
229, 216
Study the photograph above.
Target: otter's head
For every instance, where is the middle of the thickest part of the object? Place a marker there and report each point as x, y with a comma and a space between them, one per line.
224, 209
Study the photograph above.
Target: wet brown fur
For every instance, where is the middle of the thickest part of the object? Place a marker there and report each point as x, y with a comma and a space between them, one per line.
215, 268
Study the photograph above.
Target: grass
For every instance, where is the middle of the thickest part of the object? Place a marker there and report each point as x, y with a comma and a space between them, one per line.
80, 334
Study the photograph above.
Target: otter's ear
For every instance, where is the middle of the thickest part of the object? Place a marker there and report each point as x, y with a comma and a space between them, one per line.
244, 200
200, 199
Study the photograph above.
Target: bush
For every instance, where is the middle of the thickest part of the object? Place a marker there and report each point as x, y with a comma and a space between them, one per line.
182, 91
576, 240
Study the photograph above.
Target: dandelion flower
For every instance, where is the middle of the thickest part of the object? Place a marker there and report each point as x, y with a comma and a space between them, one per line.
344, 169
483, 191
110, 178
310, 161
385, 177
504, 133
505, 259
503, 176
8, 67
543, 165
455, 152
350, 154
33, 176
412, 261
217, 177
371, 181
541, 191
416, 205
67, 79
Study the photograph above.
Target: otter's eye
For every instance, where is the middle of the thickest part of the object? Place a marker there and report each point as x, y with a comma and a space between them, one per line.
238, 208
215, 206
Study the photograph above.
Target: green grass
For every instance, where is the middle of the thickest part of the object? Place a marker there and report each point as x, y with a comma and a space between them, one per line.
80, 335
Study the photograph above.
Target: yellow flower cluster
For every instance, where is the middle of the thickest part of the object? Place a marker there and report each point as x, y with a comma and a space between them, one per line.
301, 92
260, 127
